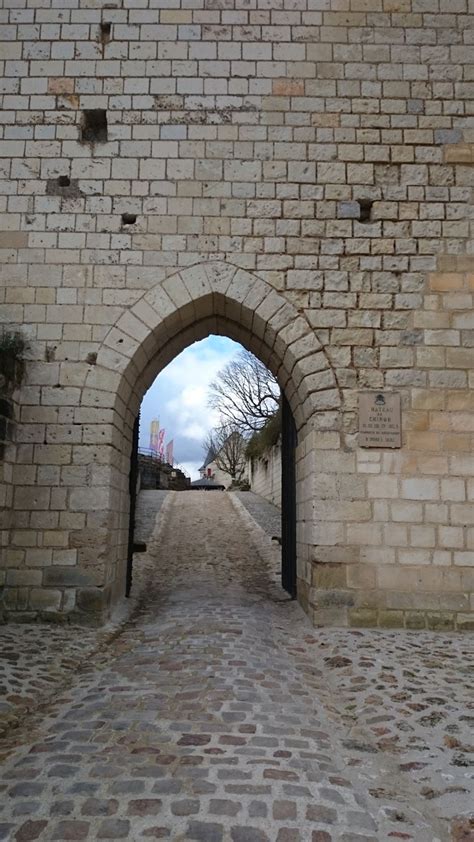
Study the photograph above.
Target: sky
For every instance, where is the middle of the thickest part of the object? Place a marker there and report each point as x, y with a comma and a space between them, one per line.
178, 398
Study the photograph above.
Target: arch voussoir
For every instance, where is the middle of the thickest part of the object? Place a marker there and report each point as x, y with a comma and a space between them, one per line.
286, 337
220, 275
176, 289
160, 301
228, 300
196, 281
132, 325
254, 297
269, 306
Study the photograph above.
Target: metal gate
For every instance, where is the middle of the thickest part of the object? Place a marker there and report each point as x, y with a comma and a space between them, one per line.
132, 486
288, 499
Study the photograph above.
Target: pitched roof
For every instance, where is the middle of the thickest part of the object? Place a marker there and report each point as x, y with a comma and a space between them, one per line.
209, 458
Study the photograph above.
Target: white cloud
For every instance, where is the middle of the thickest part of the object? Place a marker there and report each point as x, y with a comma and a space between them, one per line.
191, 469
179, 396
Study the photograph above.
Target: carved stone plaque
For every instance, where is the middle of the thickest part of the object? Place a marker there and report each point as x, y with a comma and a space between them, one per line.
380, 419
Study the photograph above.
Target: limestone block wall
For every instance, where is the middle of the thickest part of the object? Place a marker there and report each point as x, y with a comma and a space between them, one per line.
296, 174
7, 461
265, 475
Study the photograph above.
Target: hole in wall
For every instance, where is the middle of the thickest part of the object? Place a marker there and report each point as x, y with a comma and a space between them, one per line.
105, 32
63, 186
129, 218
94, 127
365, 206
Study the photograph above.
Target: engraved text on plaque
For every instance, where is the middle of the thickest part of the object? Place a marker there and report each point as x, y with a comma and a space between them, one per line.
380, 423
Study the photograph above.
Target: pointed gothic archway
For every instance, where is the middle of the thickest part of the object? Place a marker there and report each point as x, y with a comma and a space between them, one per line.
217, 298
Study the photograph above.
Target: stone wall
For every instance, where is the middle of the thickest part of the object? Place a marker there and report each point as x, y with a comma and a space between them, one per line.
265, 475
7, 461
11, 372
295, 174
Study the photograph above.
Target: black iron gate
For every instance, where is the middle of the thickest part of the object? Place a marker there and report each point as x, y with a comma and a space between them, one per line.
132, 485
288, 499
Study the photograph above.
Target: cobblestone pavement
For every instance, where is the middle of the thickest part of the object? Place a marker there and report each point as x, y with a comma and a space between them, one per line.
34, 661
37, 659
212, 716
403, 696
262, 511
149, 505
410, 697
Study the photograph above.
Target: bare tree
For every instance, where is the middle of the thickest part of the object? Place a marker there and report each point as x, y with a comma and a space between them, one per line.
245, 393
227, 447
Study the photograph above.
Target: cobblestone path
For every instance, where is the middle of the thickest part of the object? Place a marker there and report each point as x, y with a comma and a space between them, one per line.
33, 663
210, 717
266, 514
149, 506
36, 661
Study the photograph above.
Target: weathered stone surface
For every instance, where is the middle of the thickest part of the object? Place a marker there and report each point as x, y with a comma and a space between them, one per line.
30, 830
67, 577
297, 178
113, 829
45, 599
91, 600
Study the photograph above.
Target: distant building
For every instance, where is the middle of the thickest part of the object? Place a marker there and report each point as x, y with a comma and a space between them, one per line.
211, 470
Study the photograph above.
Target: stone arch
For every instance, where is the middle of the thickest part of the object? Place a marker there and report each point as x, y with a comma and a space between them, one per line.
213, 297
220, 298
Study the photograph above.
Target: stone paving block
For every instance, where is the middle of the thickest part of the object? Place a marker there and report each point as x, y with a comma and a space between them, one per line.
100, 807
113, 829
71, 830
288, 834
63, 808
248, 834
144, 807
205, 831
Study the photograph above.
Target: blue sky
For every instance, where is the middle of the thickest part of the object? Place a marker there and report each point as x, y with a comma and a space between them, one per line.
178, 397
